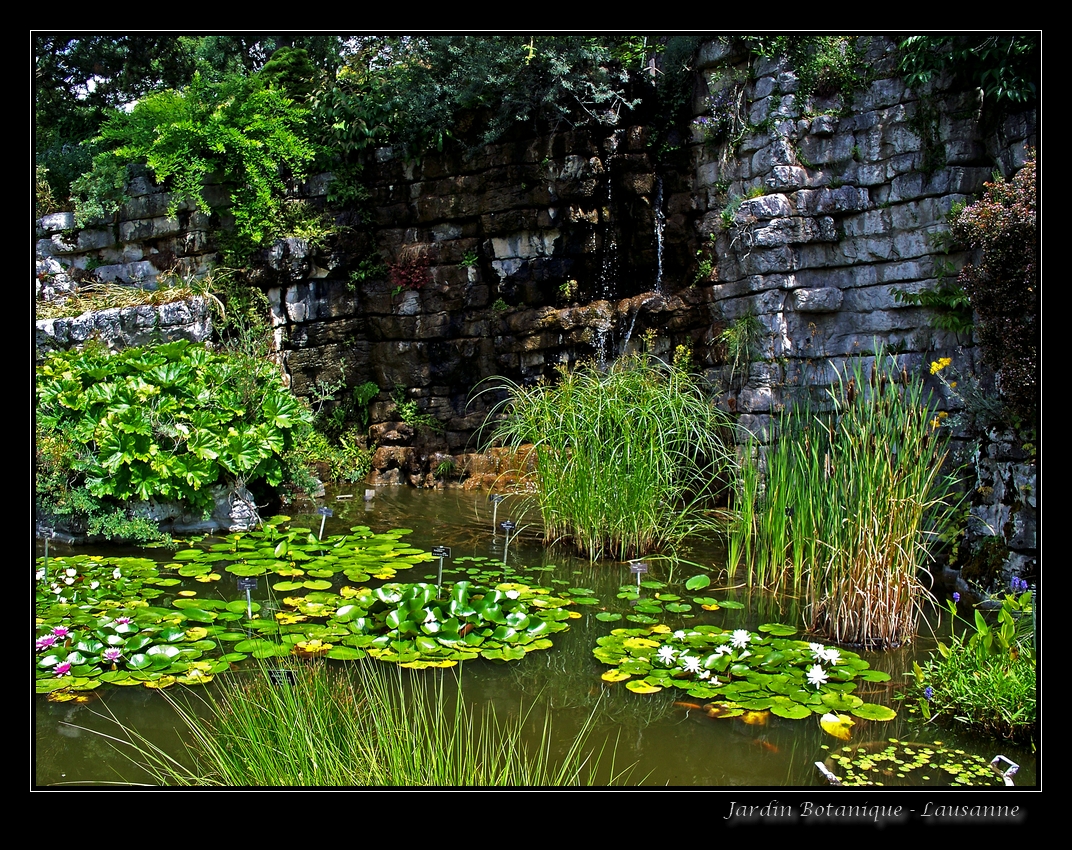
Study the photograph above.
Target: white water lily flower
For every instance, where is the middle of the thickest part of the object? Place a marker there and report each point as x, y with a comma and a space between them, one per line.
69, 580
40, 574
816, 676
666, 654
722, 649
741, 638
117, 574
93, 585
830, 655
690, 664
513, 594
72, 572
705, 674
680, 634
817, 650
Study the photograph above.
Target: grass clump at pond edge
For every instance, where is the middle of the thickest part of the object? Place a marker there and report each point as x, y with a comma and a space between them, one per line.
312, 725
627, 459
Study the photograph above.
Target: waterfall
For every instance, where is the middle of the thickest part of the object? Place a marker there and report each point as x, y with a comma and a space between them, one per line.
608, 271
660, 226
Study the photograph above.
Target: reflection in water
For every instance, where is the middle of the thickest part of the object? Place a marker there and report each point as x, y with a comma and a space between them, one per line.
668, 740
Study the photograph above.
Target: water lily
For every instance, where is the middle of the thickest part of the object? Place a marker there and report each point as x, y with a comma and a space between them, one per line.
830, 655
45, 642
68, 581
690, 664
705, 675
513, 594
816, 676
817, 650
122, 621
63, 668
722, 649
111, 654
741, 638
71, 572
666, 654
40, 574
680, 634
61, 632
117, 574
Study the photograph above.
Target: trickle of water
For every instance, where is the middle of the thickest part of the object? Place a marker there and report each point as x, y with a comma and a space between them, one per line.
625, 339
660, 226
608, 271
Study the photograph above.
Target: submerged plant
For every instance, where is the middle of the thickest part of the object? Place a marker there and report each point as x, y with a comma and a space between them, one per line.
850, 506
625, 460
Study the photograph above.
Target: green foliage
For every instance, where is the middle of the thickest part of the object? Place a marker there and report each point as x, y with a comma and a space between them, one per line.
470, 259
251, 134
948, 300
626, 460
164, 422
741, 671
826, 65
742, 340
375, 728
1003, 66
1002, 284
291, 70
849, 506
409, 411
986, 679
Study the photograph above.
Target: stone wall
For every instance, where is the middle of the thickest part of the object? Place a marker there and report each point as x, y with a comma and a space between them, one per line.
521, 257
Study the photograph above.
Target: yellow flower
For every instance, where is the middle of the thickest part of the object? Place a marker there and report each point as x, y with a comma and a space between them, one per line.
952, 385
938, 365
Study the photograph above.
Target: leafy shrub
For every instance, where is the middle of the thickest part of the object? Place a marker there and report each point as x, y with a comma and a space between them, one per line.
165, 422
1003, 66
251, 134
626, 460
1002, 284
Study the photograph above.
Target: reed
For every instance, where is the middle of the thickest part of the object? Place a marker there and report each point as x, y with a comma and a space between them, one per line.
850, 504
627, 459
326, 728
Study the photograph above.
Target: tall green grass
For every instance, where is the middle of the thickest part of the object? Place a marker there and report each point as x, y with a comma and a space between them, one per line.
627, 459
372, 728
849, 506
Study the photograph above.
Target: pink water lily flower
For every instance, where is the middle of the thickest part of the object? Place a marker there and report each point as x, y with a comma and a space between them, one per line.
63, 669
112, 654
61, 632
122, 621
45, 642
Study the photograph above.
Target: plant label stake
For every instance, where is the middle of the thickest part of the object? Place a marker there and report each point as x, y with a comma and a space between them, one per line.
440, 552
282, 677
324, 514
507, 526
248, 583
495, 499
638, 567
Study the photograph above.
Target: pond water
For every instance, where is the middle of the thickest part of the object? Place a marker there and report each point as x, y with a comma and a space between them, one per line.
666, 735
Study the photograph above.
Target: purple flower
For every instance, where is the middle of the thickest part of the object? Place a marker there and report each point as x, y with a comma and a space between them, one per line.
956, 597
1019, 585
112, 654
928, 693
63, 669
61, 632
122, 621
45, 642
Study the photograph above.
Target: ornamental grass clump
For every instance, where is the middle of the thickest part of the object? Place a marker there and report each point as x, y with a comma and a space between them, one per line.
626, 460
850, 506
305, 724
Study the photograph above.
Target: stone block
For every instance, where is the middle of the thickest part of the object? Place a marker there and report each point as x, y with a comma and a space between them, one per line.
825, 300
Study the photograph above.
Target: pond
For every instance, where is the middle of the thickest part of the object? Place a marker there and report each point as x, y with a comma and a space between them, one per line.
667, 735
